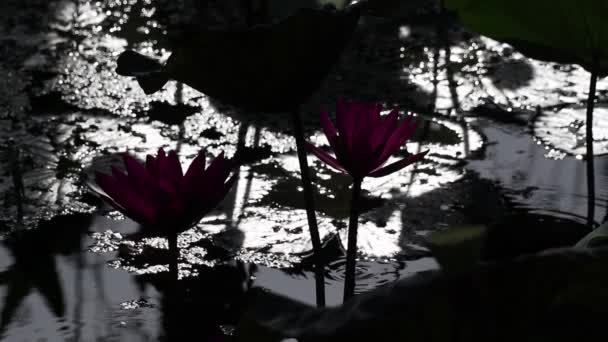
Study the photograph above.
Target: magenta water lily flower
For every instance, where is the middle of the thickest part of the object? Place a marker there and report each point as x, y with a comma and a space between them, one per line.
363, 140
159, 196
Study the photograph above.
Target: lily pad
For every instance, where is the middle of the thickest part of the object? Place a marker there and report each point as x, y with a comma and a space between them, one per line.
458, 249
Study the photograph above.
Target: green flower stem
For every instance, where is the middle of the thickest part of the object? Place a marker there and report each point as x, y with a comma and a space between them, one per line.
310, 207
589, 143
351, 252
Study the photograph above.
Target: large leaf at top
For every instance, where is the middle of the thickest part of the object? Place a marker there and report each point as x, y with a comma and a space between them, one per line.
272, 68
269, 68
564, 31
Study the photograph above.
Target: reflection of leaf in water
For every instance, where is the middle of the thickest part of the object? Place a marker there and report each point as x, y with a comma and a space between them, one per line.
34, 265
24, 277
71, 15
212, 298
37, 180
13, 100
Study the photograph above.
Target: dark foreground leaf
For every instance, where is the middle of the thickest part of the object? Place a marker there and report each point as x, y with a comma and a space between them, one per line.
556, 295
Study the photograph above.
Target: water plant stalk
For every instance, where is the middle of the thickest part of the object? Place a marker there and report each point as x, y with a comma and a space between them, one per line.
173, 258
351, 251
172, 295
310, 207
589, 143
17, 175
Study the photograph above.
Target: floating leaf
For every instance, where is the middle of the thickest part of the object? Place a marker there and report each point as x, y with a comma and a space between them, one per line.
459, 248
597, 238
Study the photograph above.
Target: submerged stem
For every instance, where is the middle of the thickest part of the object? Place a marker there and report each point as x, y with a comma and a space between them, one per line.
310, 207
172, 295
351, 252
173, 258
589, 143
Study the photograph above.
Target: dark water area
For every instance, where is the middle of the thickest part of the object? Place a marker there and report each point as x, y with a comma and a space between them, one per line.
505, 134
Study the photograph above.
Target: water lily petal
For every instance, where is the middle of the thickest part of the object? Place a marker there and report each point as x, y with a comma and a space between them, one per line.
325, 157
397, 139
108, 186
344, 124
152, 166
341, 116
128, 201
360, 155
360, 126
139, 178
218, 166
161, 163
214, 175
328, 128
384, 129
409, 130
222, 191
174, 168
159, 195
368, 113
375, 113
398, 165
119, 176
196, 169
208, 201
215, 188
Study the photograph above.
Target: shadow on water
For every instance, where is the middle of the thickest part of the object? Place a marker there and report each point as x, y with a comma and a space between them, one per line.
34, 265
51, 290
204, 304
51, 287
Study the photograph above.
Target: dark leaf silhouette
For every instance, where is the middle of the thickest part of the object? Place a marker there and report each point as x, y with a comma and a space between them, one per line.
553, 295
269, 67
27, 275
168, 113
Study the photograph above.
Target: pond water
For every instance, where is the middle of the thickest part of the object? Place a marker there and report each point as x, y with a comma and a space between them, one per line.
505, 134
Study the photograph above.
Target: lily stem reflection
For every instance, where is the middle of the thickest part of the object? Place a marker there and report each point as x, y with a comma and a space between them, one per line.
173, 258
173, 270
351, 252
173, 295
310, 207
589, 143
17, 175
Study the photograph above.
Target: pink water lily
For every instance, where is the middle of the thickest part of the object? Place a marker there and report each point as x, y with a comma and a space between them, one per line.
363, 140
158, 195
